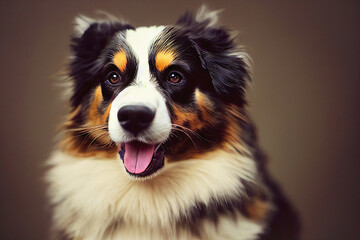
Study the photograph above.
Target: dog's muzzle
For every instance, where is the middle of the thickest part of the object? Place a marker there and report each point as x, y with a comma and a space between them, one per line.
140, 159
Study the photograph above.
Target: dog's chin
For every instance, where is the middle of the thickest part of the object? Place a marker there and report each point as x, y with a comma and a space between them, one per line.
142, 160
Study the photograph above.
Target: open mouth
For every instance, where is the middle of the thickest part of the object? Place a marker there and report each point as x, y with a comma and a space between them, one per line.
142, 159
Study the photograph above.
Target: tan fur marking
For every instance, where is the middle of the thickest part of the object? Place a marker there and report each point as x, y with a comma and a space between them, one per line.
233, 129
95, 118
205, 106
93, 111
258, 210
80, 140
70, 145
120, 60
234, 111
164, 59
183, 116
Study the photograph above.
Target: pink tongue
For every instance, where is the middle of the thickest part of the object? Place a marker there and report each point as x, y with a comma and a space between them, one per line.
138, 156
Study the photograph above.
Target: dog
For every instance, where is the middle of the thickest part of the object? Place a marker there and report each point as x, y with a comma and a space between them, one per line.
158, 143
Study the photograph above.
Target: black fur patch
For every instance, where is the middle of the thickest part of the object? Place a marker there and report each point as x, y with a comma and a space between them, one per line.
284, 222
215, 48
87, 49
215, 209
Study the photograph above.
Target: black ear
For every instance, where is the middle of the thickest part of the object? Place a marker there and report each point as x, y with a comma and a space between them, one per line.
227, 65
88, 42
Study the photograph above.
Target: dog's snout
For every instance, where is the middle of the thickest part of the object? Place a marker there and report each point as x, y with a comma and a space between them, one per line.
135, 118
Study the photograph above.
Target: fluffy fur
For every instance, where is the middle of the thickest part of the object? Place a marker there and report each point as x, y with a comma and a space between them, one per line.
207, 178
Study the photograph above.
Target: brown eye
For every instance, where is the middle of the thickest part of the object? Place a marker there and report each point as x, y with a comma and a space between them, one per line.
175, 77
114, 78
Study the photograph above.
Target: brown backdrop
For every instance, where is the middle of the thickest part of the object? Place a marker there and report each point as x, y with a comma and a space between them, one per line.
305, 100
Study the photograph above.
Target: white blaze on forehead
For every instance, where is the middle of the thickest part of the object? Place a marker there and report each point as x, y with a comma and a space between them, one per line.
140, 41
141, 91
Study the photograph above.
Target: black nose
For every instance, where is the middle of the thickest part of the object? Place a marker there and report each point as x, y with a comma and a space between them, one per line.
135, 118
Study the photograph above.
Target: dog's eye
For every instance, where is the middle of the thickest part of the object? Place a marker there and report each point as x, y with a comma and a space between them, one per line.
114, 78
175, 77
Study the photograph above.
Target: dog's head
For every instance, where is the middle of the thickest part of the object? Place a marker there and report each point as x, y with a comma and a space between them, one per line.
154, 94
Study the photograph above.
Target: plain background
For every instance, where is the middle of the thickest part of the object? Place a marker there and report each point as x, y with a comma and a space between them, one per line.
305, 100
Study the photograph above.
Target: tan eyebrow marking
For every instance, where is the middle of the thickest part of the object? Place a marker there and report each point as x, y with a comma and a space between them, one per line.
164, 59
120, 60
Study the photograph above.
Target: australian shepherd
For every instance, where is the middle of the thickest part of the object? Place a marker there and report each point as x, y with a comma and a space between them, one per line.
158, 143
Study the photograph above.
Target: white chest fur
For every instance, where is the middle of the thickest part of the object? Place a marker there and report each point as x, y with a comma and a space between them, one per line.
96, 199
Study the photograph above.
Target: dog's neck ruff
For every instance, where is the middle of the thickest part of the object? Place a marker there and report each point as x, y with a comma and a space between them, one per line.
100, 195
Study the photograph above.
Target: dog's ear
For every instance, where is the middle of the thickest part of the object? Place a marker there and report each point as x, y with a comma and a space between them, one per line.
227, 64
90, 38
203, 17
91, 35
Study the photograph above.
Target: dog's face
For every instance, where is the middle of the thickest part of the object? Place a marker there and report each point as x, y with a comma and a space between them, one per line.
153, 94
